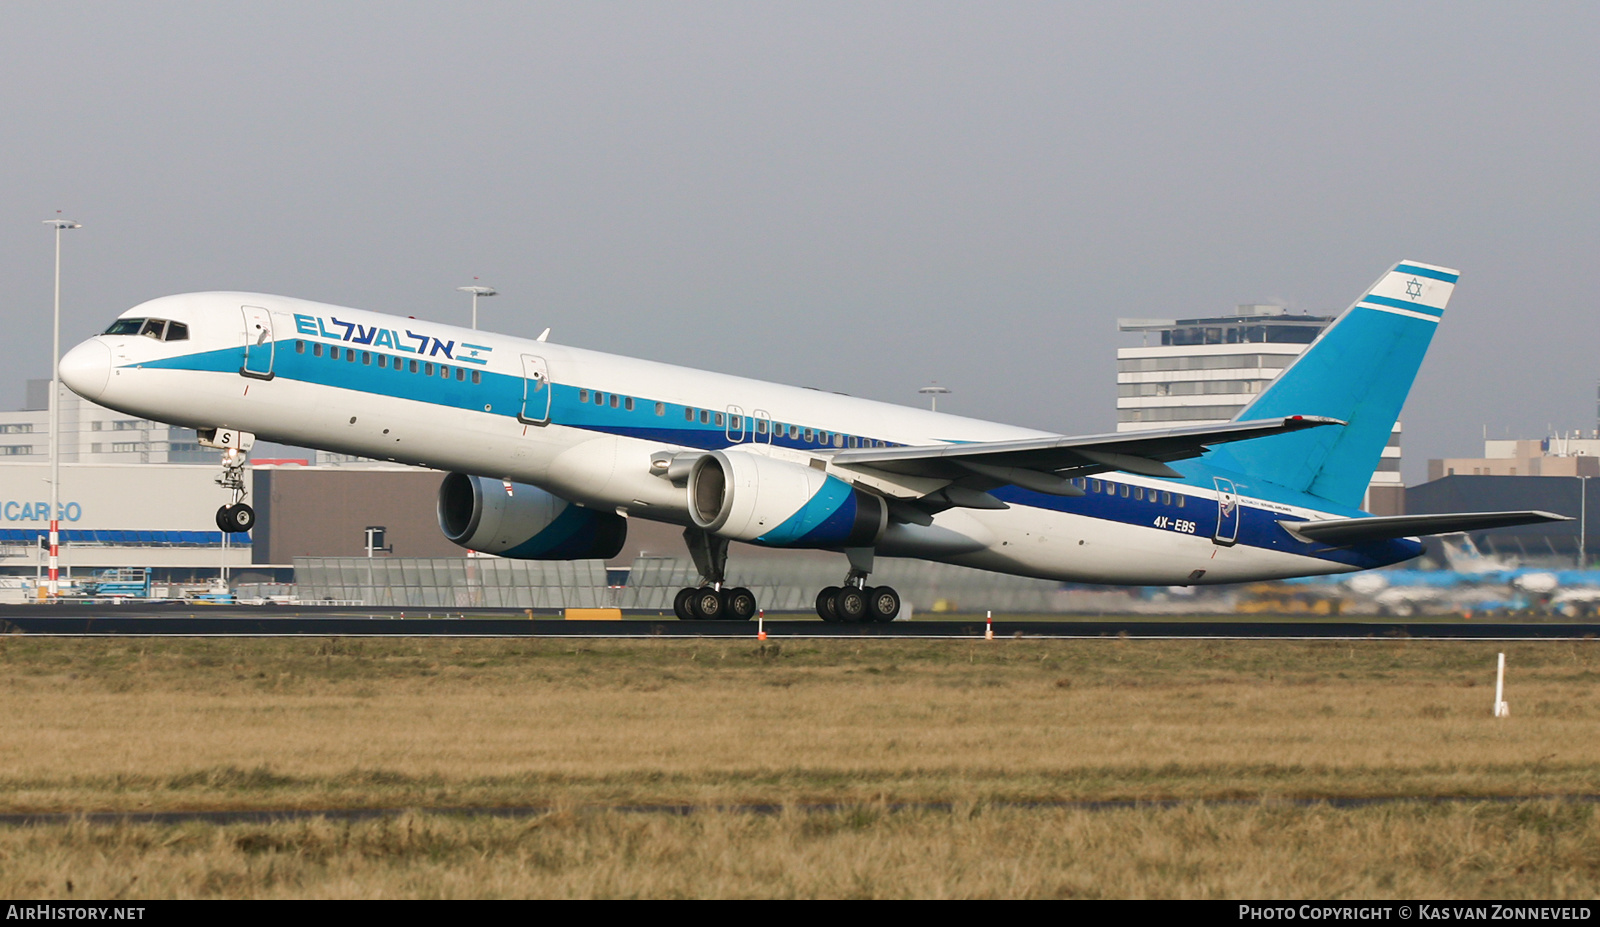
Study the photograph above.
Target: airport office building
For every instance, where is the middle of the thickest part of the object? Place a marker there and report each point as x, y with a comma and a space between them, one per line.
1204, 371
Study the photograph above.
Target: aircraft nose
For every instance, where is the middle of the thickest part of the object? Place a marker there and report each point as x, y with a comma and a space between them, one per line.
86, 369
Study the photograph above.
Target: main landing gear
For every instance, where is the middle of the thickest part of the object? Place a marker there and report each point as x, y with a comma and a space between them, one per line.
855, 602
235, 516
858, 603
713, 600
710, 603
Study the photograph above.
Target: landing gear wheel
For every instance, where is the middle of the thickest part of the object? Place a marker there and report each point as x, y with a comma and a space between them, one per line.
740, 604
232, 519
706, 604
850, 605
883, 604
680, 604
825, 604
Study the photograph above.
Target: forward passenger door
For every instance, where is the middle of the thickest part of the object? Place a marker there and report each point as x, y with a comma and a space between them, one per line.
536, 391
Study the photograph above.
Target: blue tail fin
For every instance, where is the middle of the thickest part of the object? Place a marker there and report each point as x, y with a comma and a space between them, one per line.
1359, 370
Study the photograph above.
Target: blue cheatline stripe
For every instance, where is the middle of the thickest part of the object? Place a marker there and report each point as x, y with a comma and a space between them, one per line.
1402, 304
1426, 272
833, 497
829, 514
501, 393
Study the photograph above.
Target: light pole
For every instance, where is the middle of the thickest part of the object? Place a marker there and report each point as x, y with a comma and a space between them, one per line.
60, 225
933, 393
1583, 523
476, 292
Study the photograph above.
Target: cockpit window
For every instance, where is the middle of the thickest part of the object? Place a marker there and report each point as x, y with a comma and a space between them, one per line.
159, 329
125, 327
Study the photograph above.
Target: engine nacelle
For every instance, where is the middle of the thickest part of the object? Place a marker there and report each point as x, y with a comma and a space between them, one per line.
526, 523
748, 497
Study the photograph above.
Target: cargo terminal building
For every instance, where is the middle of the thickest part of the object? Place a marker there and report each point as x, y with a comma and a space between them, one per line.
134, 493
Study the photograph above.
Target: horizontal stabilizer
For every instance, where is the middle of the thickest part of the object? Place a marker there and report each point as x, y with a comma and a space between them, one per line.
1357, 530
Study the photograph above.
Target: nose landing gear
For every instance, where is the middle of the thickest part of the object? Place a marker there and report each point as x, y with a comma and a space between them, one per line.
236, 516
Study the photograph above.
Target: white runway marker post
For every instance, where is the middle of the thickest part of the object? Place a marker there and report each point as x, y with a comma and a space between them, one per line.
1501, 709
988, 626
761, 625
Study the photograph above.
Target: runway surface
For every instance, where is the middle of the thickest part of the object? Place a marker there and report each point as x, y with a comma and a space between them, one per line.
277, 621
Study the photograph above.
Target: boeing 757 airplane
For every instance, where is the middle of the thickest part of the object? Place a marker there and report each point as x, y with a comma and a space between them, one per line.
550, 449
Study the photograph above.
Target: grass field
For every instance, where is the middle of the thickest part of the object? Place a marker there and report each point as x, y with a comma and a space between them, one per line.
583, 727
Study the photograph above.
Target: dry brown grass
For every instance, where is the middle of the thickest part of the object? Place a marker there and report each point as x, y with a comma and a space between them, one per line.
109, 724
188, 724
1530, 850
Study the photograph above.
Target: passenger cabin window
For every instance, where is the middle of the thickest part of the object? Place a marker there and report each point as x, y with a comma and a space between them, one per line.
413, 366
383, 360
477, 376
427, 368
1180, 501
688, 414
461, 374
299, 347
366, 358
705, 417
719, 420
583, 395
661, 408
316, 349
615, 400
1166, 498
1125, 490
1138, 493
628, 404
333, 351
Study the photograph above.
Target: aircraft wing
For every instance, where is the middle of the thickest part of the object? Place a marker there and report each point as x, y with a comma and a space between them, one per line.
1046, 464
1383, 528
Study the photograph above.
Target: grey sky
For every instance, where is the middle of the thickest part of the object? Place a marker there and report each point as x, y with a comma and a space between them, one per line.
860, 196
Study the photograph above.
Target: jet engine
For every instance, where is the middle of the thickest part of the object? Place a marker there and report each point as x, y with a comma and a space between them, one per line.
748, 497
524, 522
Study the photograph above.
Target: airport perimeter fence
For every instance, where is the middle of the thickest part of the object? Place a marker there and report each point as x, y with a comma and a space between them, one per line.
780, 584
